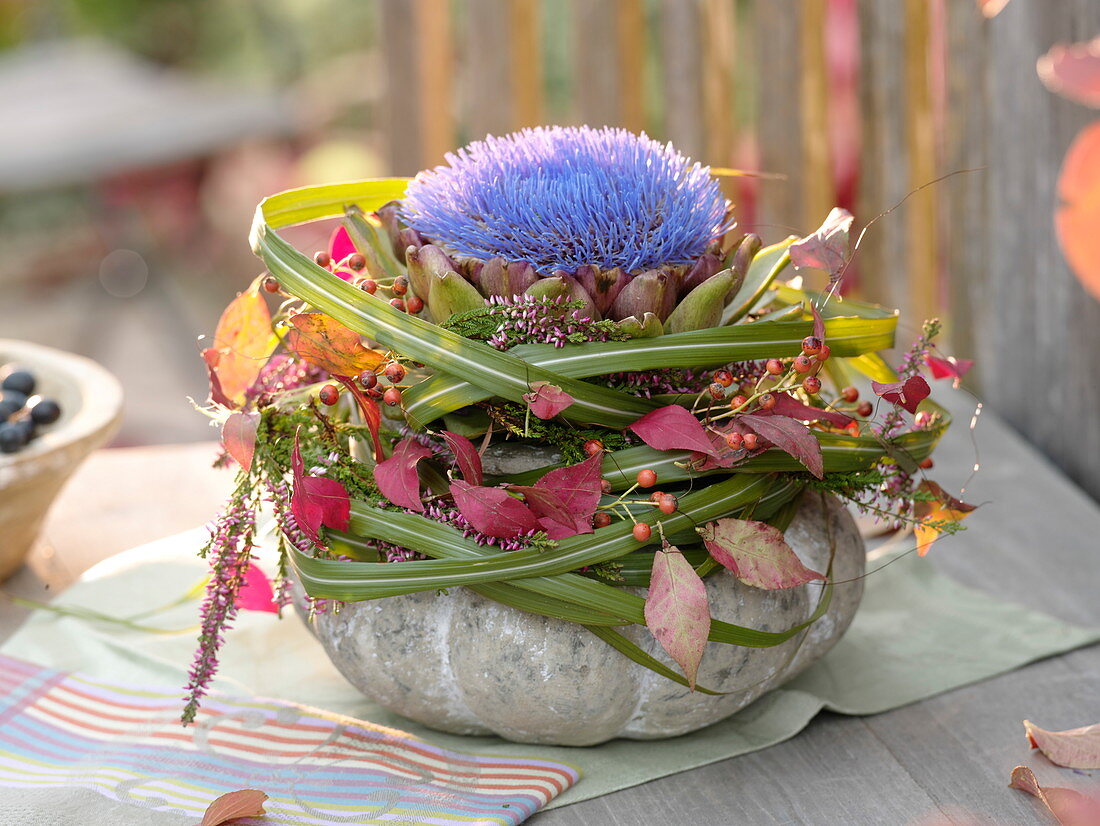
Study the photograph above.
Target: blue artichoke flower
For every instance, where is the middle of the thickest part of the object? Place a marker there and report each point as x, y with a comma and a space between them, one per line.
564, 197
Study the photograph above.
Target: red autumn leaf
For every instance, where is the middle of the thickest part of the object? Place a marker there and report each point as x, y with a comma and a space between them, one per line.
931, 514
317, 501
673, 428
552, 513
210, 358
492, 511
397, 477
908, 393
819, 322
256, 593
340, 245
948, 368
1076, 748
791, 437
243, 341
1078, 214
242, 803
677, 611
756, 553
547, 400
239, 437
1069, 806
370, 411
326, 343
466, 457
565, 499
1072, 70
827, 248
787, 405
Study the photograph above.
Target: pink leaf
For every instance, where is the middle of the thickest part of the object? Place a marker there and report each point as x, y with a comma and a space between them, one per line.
239, 437
1073, 71
791, 437
552, 513
340, 246
1069, 806
565, 499
908, 393
466, 457
547, 400
677, 611
1076, 748
948, 368
492, 511
242, 803
819, 322
211, 357
756, 553
397, 477
991, 8
787, 405
256, 593
827, 248
673, 428
317, 501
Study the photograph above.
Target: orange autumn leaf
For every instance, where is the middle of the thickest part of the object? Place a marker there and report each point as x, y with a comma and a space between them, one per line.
230, 806
1077, 748
991, 8
1069, 806
932, 514
242, 343
1078, 214
326, 343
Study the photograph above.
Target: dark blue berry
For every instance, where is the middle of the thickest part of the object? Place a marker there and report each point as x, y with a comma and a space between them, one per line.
14, 397
45, 411
12, 437
7, 409
21, 381
26, 427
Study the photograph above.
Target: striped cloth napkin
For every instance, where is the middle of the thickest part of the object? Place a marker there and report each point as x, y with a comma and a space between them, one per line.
111, 753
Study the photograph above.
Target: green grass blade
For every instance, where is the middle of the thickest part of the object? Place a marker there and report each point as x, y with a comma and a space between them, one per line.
624, 646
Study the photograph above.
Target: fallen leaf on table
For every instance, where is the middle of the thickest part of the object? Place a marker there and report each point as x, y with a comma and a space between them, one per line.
230, 806
756, 553
326, 343
677, 611
1077, 748
1069, 806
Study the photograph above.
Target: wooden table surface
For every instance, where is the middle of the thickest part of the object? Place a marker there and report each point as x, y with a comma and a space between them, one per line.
1035, 541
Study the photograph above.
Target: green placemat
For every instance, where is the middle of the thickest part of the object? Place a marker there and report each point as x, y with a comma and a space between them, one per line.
917, 634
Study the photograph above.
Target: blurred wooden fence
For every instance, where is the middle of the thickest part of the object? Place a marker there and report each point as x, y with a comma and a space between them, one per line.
857, 103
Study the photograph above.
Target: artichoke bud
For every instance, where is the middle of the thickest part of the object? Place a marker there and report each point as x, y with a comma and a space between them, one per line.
653, 291
550, 289
603, 286
649, 327
520, 276
387, 217
702, 307
707, 265
739, 259
496, 277
423, 263
450, 293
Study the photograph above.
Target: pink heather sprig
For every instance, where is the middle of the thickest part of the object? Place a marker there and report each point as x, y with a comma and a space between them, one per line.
528, 319
678, 381
228, 551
